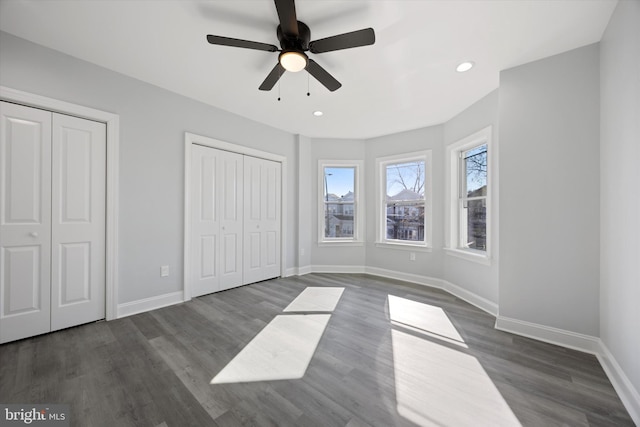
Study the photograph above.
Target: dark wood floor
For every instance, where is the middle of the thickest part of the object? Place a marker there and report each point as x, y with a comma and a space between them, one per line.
155, 368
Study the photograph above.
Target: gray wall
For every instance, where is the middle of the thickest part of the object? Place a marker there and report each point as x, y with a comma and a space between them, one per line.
549, 191
152, 126
620, 193
480, 279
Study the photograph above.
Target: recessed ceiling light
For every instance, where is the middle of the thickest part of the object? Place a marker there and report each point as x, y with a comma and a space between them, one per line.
465, 66
318, 113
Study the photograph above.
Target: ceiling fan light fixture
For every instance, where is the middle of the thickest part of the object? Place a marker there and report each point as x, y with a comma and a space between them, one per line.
293, 61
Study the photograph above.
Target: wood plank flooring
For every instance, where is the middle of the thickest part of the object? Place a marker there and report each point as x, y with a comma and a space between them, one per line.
155, 368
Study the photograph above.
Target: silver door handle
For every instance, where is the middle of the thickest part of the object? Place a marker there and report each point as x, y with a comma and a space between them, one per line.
33, 234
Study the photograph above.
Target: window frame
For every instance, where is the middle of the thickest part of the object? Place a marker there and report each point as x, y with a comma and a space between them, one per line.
455, 175
381, 206
358, 203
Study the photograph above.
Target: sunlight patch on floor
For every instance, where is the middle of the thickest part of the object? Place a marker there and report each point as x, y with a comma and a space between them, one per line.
314, 299
281, 351
423, 318
438, 384
284, 348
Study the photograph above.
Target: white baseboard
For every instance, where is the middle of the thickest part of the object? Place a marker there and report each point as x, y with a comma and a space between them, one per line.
586, 343
455, 290
561, 337
621, 383
473, 299
407, 277
349, 269
298, 271
148, 304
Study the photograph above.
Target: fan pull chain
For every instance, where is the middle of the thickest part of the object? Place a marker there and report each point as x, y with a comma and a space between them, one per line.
278, 89
279, 79
308, 92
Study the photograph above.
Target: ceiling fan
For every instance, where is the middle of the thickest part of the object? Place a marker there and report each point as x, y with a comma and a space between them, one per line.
294, 39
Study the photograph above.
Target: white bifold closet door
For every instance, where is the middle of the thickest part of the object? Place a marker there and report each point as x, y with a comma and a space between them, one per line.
261, 219
52, 221
235, 220
216, 220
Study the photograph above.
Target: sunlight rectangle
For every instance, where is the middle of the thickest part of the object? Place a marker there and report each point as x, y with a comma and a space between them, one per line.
282, 350
441, 386
314, 299
423, 318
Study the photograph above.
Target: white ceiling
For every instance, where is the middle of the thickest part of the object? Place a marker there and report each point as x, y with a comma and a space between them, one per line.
406, 80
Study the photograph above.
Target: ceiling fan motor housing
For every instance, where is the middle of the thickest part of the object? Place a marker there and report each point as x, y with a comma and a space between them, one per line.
298, 43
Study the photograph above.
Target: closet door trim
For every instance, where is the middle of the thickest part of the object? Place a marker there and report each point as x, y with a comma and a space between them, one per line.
113, 141
189, 140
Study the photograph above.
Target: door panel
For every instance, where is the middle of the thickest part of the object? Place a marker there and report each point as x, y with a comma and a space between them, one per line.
207, 257
25, 221
262, 219
75, 283
22, 276
78, 220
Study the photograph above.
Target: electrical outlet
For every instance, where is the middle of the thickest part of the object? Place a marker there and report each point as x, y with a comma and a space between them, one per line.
164, 271
412, 256
302, 251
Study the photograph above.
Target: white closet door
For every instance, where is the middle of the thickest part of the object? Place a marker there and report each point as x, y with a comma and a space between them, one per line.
78, 221
216, 220
205, 235
25, 221
262, 187
231, 225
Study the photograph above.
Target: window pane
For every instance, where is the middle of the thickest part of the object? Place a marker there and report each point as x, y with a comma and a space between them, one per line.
405, 221
475, 169
339, 184
405, 201
405, 181
475, 217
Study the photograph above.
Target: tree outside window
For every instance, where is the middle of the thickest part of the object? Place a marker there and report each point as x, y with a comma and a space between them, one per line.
473, 198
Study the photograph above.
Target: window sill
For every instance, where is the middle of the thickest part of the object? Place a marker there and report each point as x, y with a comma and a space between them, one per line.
337, 242
469, 255
404, 246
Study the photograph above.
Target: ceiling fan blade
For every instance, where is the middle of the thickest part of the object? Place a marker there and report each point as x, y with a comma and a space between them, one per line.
287, 15
358, 38
228, 41
272, 78
323, 76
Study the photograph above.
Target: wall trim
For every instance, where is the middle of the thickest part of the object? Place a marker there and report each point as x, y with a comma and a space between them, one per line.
407, 277
151, 303
473, 299
455, 290
621, 383
345, 269
113, 142
297, 271
561, 337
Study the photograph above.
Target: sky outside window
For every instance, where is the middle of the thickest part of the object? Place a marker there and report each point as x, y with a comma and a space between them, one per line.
339, 180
